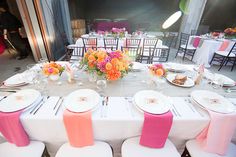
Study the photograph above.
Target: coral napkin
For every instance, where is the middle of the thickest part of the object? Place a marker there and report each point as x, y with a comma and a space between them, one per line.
196, 41
156, 129
79, 128
216, 137
12, 129
224, 45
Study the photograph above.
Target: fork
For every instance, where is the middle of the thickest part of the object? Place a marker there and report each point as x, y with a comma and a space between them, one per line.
59, 106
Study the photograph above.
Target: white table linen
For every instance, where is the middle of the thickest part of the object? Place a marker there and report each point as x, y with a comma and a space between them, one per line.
206, 50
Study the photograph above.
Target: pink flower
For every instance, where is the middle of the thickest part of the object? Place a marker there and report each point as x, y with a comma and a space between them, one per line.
50, 70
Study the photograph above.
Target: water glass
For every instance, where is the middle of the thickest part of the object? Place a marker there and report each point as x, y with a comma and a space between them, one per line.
101, 85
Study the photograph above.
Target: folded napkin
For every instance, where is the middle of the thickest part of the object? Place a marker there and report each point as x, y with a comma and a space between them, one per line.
79, 128
216, 137
196, 41
12, 129
156, 129
224, 45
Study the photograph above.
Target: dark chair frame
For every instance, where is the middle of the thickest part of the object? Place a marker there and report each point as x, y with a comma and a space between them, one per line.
147, 43
159, 54
111, 43
184, 40
74, 51
224, 60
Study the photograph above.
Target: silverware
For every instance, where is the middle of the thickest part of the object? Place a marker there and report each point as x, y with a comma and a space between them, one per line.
130, 103
57, 103
106, 104
102, 110
177, 113
3, 98
35, 107
11, 91
192, 107
173, 111
59, 106
40, 105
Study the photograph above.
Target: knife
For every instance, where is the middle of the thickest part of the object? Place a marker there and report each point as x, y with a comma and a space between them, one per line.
59, 106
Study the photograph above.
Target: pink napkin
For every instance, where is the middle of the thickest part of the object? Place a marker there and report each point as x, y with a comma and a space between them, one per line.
216, 137
156, 129
224, 45
79, 128
196, 41
12, 129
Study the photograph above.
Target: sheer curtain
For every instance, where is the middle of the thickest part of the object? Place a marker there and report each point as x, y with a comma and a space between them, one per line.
57, 21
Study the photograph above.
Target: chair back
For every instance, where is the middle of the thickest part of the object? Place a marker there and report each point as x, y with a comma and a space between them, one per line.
184, 39
89, 42
232, 50
168, 40
74, 52
132, 52
158, 55
149, 42
111, 43
131, 42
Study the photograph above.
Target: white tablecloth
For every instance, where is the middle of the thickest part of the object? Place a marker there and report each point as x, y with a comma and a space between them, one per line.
205, 51
122, 121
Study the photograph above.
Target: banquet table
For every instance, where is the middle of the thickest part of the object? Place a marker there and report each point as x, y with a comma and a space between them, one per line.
122, 119
100, 43
206, 49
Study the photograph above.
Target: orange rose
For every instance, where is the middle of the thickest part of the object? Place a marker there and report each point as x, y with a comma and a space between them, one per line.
108, 66
114, 61
91, 58
159, 72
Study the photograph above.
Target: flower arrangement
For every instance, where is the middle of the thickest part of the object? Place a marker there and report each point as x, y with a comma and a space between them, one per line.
52, 68
119, 32
157, 70
111, 65
230, 32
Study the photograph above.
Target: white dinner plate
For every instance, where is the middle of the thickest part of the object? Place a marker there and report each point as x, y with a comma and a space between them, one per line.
226, 80
152, 102
82, 100
175, 67
15, 80
212, 101
137, 66
19, 100
188, 83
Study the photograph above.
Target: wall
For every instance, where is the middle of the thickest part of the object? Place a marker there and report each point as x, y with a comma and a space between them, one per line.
139, 12
219, 14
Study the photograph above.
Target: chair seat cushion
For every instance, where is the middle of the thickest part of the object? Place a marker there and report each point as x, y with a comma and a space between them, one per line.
99, 149
71, 46
132, 148
225, 53
189, 47
195, 150
34, 149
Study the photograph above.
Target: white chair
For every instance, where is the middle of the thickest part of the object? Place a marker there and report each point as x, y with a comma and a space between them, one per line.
99, 149
132, 148
34, 149
194, 150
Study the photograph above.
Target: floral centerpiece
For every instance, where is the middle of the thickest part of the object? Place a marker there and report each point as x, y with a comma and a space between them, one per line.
118, 32
111, 65
157, 70
230, 32
53, 70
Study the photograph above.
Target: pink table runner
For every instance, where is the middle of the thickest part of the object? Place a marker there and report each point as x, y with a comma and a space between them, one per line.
217, 136
79, 128
156, 129
12, 129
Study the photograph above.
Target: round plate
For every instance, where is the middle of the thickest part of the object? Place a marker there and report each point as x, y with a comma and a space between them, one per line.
152, 102
19, 100
188, 83
82, 100
212, 101
136, 67
15, 80
175, 67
